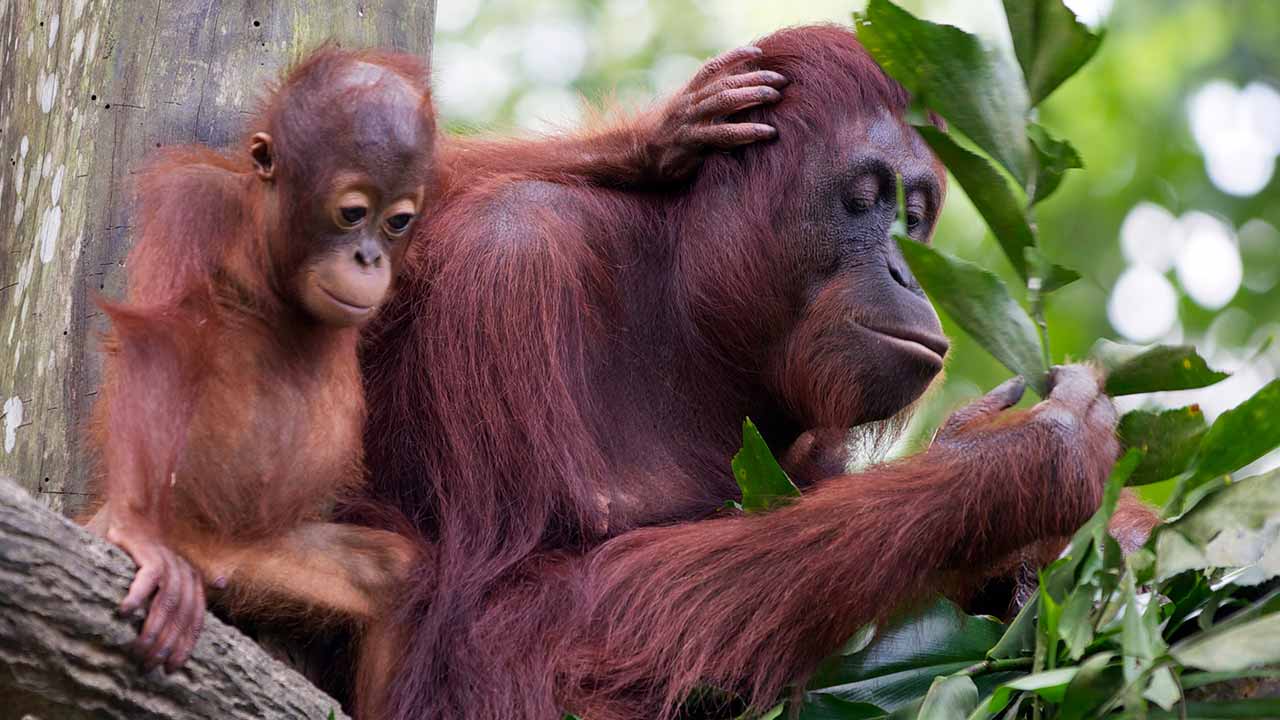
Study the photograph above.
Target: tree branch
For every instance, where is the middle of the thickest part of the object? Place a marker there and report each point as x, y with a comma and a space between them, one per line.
62, 643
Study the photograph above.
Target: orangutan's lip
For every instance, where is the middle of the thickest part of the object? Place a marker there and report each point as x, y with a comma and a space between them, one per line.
933, 343
349, 306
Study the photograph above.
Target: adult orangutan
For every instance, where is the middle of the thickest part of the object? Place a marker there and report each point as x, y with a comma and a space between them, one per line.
231, 418
557, 390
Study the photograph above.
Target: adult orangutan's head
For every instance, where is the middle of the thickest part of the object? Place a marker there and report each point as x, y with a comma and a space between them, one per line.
807, 281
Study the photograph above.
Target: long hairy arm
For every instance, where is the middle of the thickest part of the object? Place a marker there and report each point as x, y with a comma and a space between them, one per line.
653, 149
752, 603
191, 204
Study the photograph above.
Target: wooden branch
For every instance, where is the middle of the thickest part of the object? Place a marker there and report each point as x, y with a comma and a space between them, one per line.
62, 641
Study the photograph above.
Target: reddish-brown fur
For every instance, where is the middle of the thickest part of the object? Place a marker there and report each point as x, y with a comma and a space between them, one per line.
230, 418
557, 391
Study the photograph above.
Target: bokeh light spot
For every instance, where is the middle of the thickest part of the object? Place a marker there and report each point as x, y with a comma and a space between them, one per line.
1239, 134
470, 84
456, 15
1143, 305
1209, 267
1090, 12
554, 52
1150, 236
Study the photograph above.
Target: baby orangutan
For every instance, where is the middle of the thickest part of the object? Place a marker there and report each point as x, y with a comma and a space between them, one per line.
231, 415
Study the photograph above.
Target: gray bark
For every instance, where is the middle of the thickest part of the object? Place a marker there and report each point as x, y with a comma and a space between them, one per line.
63, 644
88, 88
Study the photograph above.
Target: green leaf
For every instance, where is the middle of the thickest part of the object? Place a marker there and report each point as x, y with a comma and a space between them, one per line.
860, 640
1191, 681
1135, 369
1241, 646
829, 707
1139, 635
1087, 553
977, 91
1189, 595
1236, 527
772, 713
1163, 689
1167, 439
900, 665
1242, 434
1097, 680
1050, 685
1020, 638
1055, 157
949, 698
1051, 276
763, 481
1050, 43
990, 193
979, 302
1075, 626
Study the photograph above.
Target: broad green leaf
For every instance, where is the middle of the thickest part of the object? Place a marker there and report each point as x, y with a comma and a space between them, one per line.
818, 706
979, 92
1245, 645
1047, 620
949, 698
1020, 638
1055, 158
1167, 439
1191, 681
1236, 527
1242, 434
990, 194
860, 640
763, 481
1139, 635
1050, 43
1050, 685
1143, 564
1135, 369
979, 302
1188, 593
900, 665
1074, 625
1163, 689
1096, 681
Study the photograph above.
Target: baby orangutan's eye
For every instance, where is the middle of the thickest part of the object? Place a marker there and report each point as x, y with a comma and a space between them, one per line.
398, 223
352, 216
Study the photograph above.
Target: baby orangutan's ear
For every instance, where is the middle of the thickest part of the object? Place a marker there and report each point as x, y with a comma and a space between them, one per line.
263, 154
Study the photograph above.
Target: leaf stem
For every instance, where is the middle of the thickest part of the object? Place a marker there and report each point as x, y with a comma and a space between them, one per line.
992, 666
1034, 285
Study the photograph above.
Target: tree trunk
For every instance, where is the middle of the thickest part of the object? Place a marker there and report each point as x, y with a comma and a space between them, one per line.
62, 643
87, 88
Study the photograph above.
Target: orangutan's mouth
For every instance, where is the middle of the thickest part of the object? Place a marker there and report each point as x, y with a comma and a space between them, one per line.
915, 340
